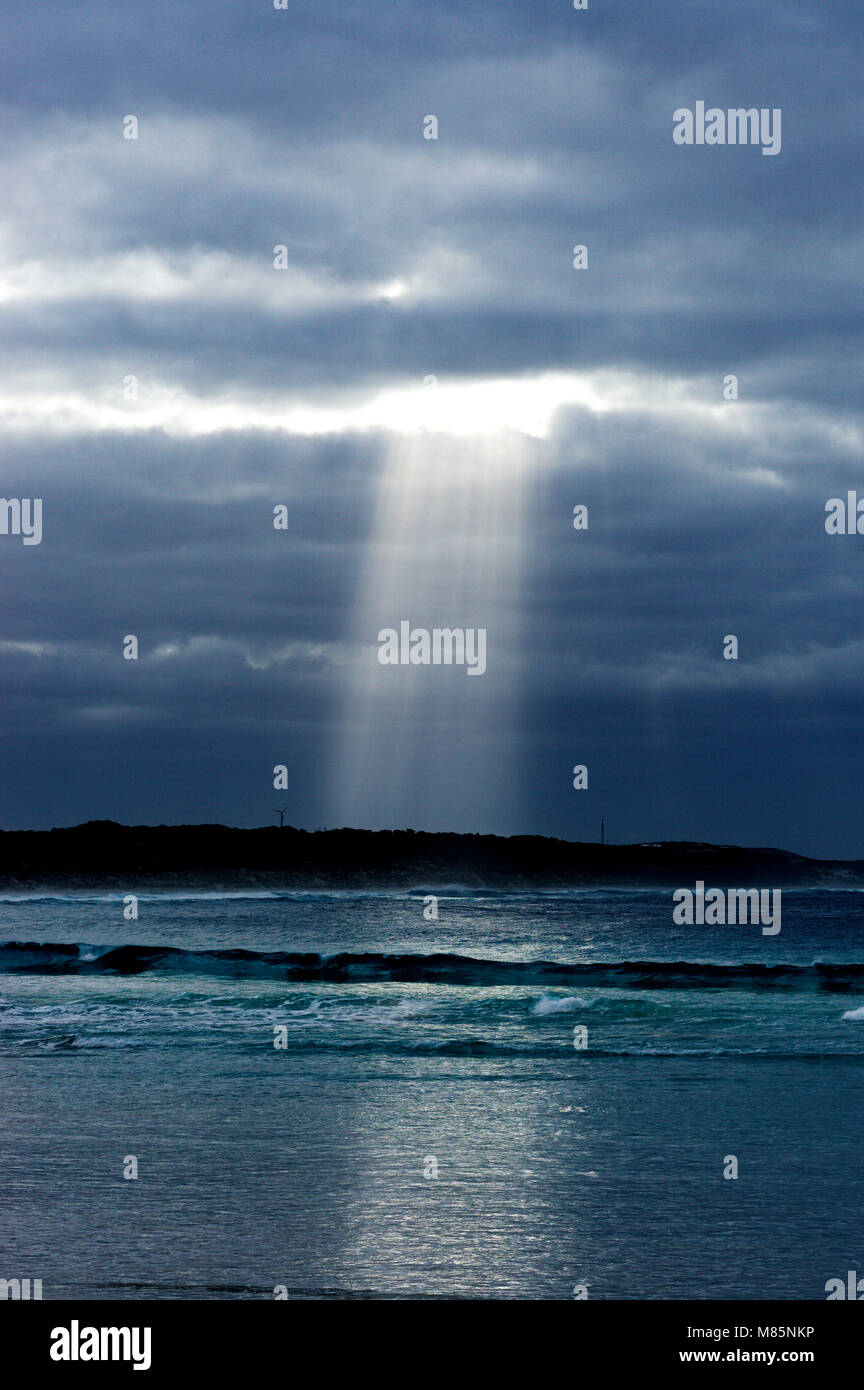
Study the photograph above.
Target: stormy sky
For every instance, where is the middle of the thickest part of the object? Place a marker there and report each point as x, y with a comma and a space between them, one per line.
446, 501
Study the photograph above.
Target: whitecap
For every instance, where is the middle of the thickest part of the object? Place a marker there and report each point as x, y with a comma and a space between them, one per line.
554, 1004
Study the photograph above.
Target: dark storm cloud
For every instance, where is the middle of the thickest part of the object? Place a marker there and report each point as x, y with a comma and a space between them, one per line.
411, 257
556, 127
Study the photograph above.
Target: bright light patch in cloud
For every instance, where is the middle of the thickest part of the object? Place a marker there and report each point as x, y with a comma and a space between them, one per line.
467, 407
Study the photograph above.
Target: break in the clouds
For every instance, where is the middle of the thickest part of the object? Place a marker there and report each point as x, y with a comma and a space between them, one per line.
422, 392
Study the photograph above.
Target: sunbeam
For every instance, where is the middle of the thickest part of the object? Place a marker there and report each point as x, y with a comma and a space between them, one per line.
445, 553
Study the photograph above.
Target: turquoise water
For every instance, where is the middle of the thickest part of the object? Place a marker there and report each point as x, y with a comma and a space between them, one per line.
400, 1040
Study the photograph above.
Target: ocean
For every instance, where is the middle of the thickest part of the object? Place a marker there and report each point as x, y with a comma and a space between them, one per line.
328, 1096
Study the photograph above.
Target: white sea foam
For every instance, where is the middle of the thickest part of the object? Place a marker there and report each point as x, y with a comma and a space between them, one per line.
553, 1004
328, 1012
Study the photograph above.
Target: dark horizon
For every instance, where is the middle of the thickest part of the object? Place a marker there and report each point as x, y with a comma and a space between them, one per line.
768, 846
210, 856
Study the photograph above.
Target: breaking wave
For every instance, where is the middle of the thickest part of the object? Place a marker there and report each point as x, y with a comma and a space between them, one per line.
43, 958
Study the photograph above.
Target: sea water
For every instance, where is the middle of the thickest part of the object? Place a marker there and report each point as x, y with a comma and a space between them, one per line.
327, 1095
